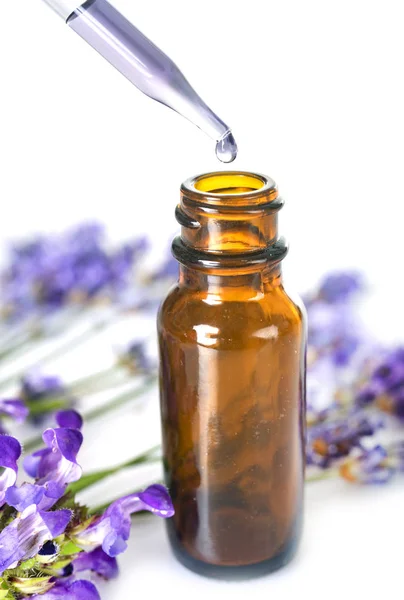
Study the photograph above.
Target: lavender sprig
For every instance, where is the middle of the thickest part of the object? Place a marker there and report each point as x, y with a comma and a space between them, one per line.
41, 394
77, 266
46, 538
367, 466
349, 386
385, 386
334, 439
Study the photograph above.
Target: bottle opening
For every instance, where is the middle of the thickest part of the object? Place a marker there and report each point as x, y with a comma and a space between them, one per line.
227, 189
229, 183
229, 212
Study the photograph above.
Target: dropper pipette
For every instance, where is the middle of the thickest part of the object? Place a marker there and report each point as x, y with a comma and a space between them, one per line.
144, 64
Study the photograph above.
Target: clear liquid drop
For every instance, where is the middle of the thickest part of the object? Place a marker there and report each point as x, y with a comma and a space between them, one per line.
226, 148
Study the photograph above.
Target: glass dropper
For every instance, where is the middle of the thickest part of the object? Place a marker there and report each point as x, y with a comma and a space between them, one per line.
144, 64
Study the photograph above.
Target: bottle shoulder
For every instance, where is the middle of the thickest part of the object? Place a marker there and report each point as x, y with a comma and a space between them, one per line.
185, 308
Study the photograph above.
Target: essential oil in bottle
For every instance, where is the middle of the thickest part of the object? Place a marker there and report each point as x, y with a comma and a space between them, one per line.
232, 382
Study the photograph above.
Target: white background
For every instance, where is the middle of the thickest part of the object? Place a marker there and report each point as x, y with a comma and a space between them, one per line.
314, 93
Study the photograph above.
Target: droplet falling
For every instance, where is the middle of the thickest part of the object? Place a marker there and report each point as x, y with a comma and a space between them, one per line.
226, 148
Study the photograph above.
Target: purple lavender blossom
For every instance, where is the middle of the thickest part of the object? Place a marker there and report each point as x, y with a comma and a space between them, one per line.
14, 409
397, 405
370, 467
98, 562
345, 348
70, 590
112, 529
340, 287
56, 466
368, 393
70, 419
335, 334
390, 373
123, 260
332, 440
135, 357
86, 236
24, 496
34, 533
10, 452
48, 272
36, 386
385, 387
27, 533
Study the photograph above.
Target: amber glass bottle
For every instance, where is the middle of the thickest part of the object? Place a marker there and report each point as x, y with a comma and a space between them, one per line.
232, 379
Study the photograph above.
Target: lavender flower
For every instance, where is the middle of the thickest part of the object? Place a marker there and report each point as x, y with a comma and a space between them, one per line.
27, 533
48, 272
123, 260
332, 440
39, 553
70, 590
369, 467
390, 373
56, 466
111, 530
334, 333
397, 406
35, 386
22, 497
43, 394
335, 330
136, 359
385, 387
369, 393
14, 409
70, 419
98, 562
10, 452
340, 287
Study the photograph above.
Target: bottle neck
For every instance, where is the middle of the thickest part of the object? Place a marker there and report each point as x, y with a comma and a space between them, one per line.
248, 284
229, 227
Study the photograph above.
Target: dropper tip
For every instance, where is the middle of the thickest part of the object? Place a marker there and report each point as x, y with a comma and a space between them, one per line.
226, 148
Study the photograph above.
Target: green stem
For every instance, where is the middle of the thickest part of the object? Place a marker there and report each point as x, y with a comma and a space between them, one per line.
96, 382
119, 401
35, 332
48, 405
91, 478
328, 474
135, 461
79, 388
76, 389
14, 347
57, 352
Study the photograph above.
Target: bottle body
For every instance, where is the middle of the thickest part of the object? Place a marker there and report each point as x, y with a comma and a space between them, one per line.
232, 349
